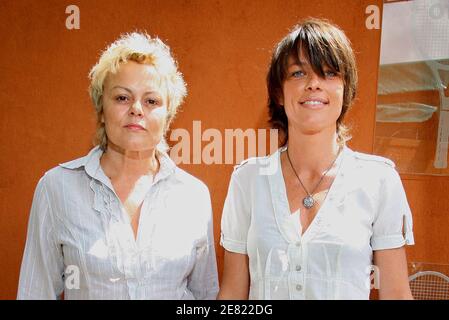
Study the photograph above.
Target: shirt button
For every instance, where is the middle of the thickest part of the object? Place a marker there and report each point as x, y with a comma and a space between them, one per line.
298, 244
298, 287
298, 268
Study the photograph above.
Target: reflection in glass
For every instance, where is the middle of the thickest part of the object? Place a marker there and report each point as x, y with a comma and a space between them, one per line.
412, 117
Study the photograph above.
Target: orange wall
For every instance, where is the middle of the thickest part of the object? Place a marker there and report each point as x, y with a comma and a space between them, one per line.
223, 48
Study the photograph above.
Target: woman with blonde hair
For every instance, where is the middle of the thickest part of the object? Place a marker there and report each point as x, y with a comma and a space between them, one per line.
329, 216
123, 222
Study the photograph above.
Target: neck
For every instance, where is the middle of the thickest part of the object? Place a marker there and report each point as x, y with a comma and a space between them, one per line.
312, 153
117, 162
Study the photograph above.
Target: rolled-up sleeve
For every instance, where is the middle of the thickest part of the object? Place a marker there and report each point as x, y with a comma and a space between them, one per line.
203, 280
41, 273
235, 220
393, 225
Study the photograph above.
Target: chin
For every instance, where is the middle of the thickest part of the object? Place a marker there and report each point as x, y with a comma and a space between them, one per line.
316, 128
137, 146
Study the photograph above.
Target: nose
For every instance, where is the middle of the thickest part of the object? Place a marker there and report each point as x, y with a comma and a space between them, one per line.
136, 109
313, 82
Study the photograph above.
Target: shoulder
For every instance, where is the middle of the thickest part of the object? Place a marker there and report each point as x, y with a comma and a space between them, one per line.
254, 167
190, 182
93, 156
64, 169
190, 196
74, 164
52, 187
371, 159
375, 166
65, 173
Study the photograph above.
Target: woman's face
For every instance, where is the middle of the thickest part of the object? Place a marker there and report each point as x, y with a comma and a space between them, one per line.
312, 103
134, 107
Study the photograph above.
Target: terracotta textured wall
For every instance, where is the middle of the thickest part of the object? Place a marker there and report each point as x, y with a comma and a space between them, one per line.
223, 48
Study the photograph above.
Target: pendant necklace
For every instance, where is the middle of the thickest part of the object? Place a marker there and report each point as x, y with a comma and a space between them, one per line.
308, 201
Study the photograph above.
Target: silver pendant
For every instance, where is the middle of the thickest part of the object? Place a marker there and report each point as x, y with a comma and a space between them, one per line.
308, 202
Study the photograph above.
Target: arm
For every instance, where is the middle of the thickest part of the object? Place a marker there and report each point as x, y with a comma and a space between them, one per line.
41, 274
392, 264
235, 223
392, 229
235, 281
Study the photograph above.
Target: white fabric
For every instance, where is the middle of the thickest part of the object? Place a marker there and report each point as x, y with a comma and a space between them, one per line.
78, 226
364, 211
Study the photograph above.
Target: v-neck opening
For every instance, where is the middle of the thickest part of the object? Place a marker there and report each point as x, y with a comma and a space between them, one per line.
303, 234
128, 218
95, 171
124, 213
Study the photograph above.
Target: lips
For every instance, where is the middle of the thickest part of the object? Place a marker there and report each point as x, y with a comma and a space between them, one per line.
134, 127
313, 101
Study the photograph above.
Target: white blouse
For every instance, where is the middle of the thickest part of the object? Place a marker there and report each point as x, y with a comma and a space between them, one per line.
365, 210
80, 240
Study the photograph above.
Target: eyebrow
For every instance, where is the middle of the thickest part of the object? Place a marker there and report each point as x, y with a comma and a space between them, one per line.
130, 91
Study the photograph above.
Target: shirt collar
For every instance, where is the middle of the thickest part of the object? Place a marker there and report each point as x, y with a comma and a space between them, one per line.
288, 223
345, 149
91, 164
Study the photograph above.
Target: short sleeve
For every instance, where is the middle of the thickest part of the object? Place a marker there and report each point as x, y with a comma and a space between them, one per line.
393, 224
236, 218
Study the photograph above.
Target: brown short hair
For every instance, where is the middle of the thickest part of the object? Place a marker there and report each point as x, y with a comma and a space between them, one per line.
324, 44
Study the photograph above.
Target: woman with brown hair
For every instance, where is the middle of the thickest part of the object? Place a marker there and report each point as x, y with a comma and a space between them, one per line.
317, 226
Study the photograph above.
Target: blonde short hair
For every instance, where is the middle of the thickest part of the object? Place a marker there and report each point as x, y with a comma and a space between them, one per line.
141, 48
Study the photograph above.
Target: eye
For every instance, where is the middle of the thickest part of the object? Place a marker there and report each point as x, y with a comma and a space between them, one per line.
122, 98
298, 74
331, 74
152, 101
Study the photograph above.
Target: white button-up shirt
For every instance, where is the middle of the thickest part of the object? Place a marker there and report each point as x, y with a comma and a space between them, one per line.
80, 240
365, 210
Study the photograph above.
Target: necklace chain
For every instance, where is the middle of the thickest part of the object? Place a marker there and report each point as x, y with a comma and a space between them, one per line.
308, 201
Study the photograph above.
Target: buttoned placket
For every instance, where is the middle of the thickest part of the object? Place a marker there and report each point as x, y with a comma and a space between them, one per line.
296, 277
128, 250
147, 222
297, 242
132, 261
